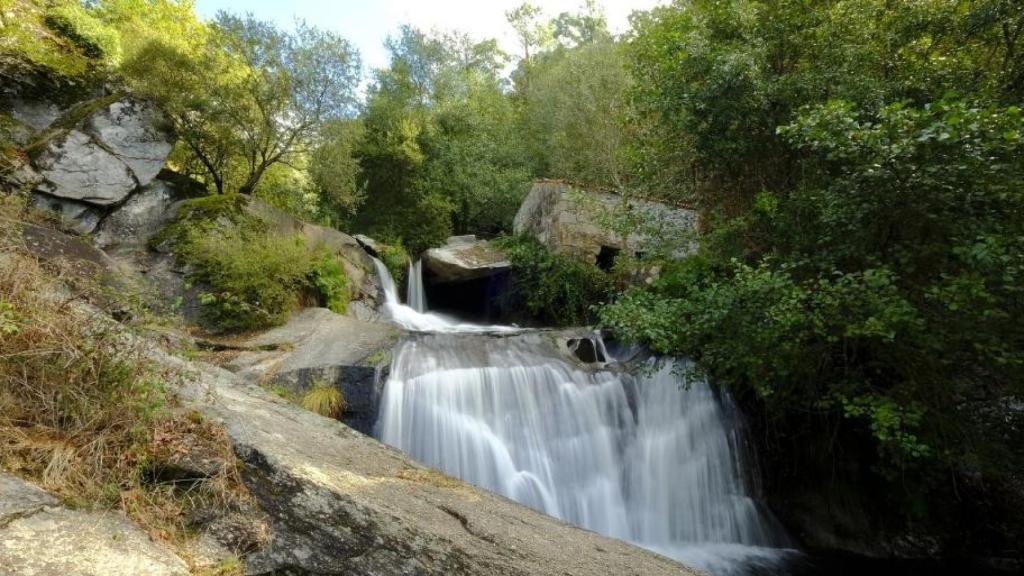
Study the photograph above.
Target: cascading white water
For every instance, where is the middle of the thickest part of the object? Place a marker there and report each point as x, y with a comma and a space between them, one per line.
651, 459
411, 319
416, 295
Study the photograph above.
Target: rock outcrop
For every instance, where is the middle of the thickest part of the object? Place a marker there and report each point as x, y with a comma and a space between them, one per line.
464, 258
307, 350
576, 222
101, 158
39, 537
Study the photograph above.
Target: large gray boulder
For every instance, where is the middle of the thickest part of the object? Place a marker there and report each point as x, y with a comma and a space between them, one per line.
140, 218
75, 216
134, 132
464, 258
77, 168
38, 537
101, 155
577, 222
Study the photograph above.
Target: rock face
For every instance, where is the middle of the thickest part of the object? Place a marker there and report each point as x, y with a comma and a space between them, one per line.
77, 168
40, 538
572, 221
341, 503
141, 217
317, 345
102, 157
464, 258
133, 131
75, 216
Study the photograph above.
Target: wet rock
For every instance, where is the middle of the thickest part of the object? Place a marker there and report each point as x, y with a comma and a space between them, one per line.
464, 258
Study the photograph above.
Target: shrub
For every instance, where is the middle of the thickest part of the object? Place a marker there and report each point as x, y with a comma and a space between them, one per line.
395, 259
329, 278
252, 280
556, 289
325, 399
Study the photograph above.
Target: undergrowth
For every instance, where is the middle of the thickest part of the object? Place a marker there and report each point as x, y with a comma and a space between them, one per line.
87, 414
249, 277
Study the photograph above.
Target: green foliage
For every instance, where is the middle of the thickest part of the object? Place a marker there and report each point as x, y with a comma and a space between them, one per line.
81, 27
251, 280
440, 152
859, 274
325, 399
395, 259
228, 89
556, 289
329, 278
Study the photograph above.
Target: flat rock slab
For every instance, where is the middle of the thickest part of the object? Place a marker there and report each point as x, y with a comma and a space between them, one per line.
465, 258
312, 338
39, 538
341, 503
19, 499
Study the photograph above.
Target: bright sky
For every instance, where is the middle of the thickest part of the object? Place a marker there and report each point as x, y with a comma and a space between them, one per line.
366, 23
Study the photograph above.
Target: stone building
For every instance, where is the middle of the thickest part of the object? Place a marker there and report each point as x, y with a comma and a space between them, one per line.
580, 223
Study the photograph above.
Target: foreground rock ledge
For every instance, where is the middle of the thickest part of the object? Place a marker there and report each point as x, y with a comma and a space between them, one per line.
341, 503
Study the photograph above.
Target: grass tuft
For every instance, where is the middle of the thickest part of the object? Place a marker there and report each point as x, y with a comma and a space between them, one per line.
325, 399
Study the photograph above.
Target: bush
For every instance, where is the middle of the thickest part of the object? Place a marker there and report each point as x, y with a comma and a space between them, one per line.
251, 280
329, 278
558, 290
395, 259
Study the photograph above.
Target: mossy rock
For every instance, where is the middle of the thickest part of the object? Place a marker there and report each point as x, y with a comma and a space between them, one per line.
205, 213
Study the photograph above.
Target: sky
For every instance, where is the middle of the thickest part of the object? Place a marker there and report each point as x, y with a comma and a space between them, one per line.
367, 23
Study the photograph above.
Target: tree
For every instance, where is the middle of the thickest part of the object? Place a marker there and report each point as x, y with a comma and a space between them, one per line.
252, 97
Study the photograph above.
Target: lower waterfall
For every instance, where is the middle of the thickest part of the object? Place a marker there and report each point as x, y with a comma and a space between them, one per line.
654, 459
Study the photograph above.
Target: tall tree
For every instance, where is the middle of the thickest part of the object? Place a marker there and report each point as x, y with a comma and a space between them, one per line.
254, 96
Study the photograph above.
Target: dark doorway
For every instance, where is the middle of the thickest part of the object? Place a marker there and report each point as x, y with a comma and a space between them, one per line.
606, 258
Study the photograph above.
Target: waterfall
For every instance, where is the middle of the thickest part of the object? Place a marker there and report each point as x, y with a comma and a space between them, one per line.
652, 459
411, 319
414, 287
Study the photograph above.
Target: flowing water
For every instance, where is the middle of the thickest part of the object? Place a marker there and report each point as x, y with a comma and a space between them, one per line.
416, 295
654, 459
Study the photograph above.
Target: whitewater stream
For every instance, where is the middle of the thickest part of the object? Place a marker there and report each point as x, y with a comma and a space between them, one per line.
654, 459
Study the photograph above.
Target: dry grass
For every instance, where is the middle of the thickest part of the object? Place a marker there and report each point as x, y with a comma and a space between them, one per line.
325, 399
85, 413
